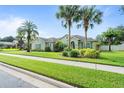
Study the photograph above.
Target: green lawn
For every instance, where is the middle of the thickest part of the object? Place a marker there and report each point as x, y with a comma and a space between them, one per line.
109, 58
80, 77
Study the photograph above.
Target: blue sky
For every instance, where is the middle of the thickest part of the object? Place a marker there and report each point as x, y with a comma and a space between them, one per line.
44, 17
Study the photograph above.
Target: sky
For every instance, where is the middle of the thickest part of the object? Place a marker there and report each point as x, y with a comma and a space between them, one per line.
12, 16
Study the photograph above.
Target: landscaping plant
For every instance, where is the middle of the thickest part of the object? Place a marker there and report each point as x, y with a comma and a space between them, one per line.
59, 46
47, 49
65, 53
74, 53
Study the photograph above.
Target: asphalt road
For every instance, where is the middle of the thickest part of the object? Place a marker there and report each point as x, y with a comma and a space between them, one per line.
9, 81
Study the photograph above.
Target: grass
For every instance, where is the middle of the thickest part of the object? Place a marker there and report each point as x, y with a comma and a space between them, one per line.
109, 58
76, 76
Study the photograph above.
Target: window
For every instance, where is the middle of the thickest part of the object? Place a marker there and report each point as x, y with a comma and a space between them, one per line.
38, 46
88, 45
49, 44
79, 44
82, 46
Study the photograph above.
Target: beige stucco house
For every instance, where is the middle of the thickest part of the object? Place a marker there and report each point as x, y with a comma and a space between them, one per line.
77, 41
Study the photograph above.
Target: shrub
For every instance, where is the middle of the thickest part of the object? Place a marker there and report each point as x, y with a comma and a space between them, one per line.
74, 53
47, 49
97, 46
67, 49
38, 50
59, 46
82, 51
65, 53
90, 53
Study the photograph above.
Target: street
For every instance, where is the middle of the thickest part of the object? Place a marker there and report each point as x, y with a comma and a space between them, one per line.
9, 81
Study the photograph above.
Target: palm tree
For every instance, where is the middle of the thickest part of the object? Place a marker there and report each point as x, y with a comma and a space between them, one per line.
122, 8
20, 37
30, 30
88, 15
67, 14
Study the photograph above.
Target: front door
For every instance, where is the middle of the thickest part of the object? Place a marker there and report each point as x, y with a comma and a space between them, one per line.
73, 44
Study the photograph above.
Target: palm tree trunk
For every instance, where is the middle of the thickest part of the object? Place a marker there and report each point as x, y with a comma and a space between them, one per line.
69, 37
28, 46
21, 44
85, 45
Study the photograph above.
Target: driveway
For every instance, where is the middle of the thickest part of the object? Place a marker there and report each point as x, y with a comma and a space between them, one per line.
115, 69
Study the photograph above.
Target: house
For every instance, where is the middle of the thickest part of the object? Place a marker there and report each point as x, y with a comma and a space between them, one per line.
7, 44
41, 43
77, 41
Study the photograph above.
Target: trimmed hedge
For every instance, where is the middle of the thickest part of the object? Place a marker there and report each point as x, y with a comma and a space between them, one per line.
47, 49
87, 52
74, 53
67, 49
59, 46
65, 53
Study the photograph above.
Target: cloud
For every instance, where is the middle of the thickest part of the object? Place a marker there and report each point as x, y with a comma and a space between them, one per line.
9, 25
108, 12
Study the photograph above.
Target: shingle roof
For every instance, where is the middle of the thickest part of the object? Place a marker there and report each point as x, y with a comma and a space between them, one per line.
80, 37
7, 43
52, 39
83, 38
49, 39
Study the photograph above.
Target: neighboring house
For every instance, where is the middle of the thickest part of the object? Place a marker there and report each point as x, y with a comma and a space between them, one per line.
41, 43
77, 41
113, 47
7, 44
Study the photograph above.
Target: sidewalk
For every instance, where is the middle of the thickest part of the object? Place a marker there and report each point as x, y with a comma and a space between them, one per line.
115, 69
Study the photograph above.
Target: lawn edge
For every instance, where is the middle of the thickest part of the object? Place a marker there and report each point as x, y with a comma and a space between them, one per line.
72, 84
38, 76
68, 59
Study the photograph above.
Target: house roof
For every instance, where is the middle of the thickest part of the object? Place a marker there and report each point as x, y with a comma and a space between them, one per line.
7, 43
52, 39
79, 37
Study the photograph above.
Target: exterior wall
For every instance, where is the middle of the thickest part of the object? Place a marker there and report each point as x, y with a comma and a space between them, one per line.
38, 42
75, 40
113, 47
65, 40
50, 44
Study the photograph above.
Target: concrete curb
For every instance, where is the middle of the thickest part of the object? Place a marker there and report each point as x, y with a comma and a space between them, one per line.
51, 81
